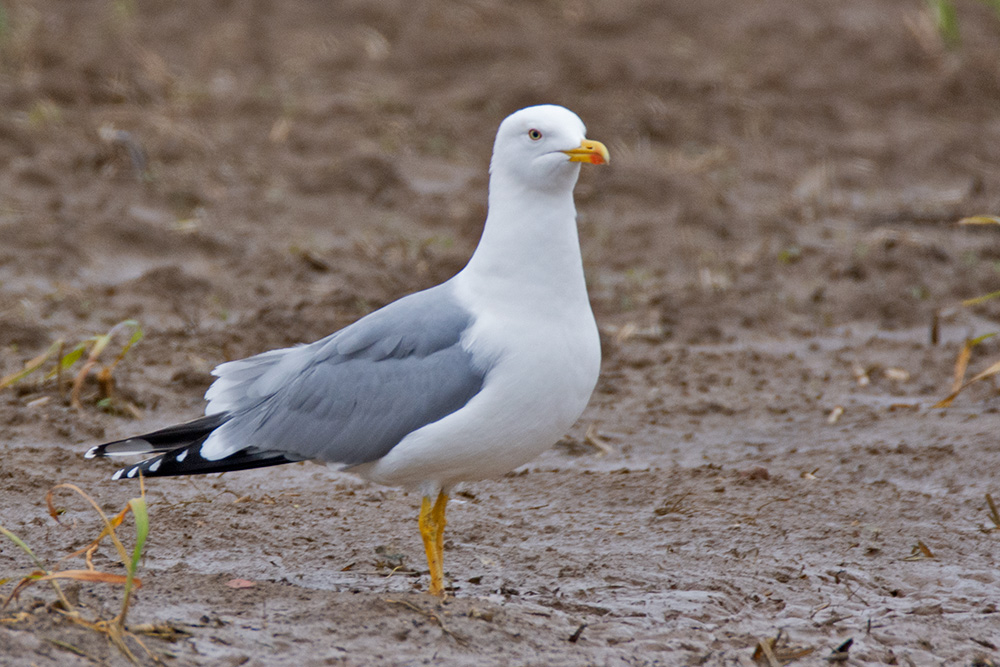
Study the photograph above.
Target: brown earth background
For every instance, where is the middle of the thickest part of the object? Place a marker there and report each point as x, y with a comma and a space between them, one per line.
766, 255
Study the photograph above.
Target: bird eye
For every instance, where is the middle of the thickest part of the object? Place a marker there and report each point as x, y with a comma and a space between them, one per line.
534, 135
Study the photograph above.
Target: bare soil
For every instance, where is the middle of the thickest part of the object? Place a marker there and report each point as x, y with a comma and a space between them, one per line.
767, 254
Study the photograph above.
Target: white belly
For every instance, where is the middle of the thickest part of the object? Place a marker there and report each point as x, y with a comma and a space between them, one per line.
541, 377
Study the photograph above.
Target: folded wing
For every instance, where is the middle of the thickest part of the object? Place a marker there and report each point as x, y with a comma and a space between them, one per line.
348, 398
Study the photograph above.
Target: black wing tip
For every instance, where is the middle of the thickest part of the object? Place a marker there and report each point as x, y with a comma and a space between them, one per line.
129, 472
149, 468
176, 450
184, 460
129, 447
188, 461
169, 439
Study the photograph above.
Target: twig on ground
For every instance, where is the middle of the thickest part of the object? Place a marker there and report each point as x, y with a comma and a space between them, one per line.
433, 616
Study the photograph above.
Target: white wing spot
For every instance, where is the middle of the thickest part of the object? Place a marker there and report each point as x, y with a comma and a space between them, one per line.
181, 456
155, 465
118, 474
132, 471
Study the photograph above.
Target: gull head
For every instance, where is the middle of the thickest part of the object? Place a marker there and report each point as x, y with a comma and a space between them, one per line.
542, 147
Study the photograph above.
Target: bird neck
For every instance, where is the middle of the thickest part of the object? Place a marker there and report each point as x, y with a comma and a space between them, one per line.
530, 248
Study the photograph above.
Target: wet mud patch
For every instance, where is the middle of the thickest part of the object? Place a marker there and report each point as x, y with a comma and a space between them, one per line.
771, 255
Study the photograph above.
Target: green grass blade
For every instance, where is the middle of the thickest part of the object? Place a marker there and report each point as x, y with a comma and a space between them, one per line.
24, 547
100, 342
975, 301
73, 356
67, 360
979, 339
31, 366
38, 563
946, 21
136, 337
133, 339
141, 516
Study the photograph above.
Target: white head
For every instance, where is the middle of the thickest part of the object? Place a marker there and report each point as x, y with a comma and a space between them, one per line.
541, 148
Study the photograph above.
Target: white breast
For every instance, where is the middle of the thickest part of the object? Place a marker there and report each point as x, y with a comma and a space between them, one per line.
543, 361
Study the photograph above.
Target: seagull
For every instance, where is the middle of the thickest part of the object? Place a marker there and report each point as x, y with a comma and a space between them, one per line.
464, 381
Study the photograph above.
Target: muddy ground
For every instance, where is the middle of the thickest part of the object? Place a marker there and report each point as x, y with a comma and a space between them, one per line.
767, 254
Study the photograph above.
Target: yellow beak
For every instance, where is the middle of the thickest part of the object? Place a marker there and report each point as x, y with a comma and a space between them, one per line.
593, 152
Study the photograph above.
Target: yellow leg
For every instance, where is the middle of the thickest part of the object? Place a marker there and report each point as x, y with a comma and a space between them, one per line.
439, 520
432, 523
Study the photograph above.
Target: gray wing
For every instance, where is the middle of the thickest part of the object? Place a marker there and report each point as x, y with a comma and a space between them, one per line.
351, 397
